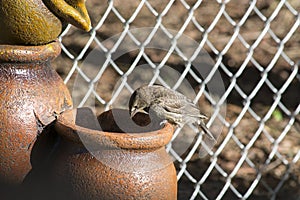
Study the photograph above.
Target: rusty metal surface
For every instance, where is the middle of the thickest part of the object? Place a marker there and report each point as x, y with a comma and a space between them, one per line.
123, 170
30, 95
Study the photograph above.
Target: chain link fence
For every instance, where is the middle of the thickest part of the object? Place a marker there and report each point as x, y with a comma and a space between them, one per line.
253, 51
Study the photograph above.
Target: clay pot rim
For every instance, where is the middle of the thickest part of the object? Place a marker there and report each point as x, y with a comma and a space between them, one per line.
26, 54
147, 140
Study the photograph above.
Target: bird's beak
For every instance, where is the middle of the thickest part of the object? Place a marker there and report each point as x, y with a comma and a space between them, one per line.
72, 11
135, 110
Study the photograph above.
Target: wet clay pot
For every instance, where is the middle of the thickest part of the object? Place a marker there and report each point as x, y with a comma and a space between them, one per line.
31, 94
95, 162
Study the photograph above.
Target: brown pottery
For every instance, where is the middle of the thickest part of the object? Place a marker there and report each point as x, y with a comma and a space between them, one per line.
31, 95
94, 161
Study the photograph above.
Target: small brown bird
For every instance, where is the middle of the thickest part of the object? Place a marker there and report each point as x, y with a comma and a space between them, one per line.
167, 104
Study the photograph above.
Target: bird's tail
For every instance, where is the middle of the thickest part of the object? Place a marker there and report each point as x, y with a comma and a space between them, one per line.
210, 140
206, 130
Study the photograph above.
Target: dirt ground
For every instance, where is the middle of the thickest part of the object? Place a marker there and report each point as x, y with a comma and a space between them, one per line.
219, 36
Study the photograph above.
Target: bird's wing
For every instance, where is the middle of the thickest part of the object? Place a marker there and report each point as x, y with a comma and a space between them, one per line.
180, 105
192, 110
175, 102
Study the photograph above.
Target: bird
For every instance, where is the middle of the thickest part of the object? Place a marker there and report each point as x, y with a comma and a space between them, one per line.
169, 105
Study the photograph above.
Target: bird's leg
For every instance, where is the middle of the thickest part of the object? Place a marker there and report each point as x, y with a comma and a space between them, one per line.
163, 122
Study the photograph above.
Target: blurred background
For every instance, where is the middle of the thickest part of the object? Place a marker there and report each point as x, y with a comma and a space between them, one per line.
248, 84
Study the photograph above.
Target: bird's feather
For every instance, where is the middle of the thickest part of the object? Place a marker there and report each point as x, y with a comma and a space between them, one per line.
170, 105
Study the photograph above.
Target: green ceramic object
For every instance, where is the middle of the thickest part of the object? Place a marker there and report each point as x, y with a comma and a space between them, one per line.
37, 22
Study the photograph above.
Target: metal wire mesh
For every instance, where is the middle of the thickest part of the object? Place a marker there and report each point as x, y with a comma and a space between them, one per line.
254, 45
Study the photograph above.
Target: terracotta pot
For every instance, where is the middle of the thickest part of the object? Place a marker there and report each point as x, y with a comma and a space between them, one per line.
93, 163
31, 94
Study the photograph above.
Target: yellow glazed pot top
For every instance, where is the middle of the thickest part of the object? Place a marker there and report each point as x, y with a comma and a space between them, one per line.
36, 22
